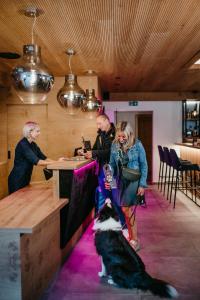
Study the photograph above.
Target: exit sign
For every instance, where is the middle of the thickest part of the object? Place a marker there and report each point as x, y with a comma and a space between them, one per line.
133, 103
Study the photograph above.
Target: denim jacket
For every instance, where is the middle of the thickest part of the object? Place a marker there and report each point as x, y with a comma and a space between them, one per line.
137, 160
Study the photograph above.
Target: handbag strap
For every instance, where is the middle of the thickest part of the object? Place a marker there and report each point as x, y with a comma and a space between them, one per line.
120, 156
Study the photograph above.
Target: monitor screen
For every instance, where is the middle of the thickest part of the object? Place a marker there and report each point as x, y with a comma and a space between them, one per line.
87, 145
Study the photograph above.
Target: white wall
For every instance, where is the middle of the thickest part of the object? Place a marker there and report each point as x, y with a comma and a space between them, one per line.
167, 123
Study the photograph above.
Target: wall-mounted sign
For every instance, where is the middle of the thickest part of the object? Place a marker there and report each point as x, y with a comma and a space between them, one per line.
133, 103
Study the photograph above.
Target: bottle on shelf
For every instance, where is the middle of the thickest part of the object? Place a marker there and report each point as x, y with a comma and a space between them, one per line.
191, 120
194, 112
188, 114
189, 132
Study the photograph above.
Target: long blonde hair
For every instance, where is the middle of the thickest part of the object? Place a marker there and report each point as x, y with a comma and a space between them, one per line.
126, 128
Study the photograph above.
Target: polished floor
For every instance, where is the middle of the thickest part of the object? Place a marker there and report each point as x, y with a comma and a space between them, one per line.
170, 240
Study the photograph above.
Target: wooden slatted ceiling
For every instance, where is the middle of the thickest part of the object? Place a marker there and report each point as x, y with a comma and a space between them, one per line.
144, 42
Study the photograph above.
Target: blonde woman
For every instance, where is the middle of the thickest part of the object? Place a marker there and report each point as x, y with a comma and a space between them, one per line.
27, 154
128, 151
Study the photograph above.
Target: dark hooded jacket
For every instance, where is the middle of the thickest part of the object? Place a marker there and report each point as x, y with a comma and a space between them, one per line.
102, 145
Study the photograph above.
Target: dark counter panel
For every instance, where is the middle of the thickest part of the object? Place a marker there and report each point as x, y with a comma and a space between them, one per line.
79, 187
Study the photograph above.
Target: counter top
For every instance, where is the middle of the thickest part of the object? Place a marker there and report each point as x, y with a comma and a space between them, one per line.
69, 164
190, 145
27, 208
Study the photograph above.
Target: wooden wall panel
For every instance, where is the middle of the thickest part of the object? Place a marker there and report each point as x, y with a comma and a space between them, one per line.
3, 142
3, 179
18, 115
65, 131
60, 133
3, 124
191, 154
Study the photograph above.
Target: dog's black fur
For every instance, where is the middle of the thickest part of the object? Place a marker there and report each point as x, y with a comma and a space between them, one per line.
121, 262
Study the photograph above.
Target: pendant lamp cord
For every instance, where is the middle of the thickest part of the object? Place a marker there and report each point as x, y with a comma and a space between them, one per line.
70, 63
32, 31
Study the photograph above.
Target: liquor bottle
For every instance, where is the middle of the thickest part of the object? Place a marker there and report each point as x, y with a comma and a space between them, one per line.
188, 114
194, 112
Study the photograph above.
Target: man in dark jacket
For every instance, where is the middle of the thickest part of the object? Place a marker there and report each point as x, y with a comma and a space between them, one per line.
104, 139
101, 152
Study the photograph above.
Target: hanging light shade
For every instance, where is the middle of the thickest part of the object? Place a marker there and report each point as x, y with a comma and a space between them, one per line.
71, 96
31, 78
91, 103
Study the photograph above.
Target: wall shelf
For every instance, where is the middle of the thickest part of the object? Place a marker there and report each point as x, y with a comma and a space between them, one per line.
190, 120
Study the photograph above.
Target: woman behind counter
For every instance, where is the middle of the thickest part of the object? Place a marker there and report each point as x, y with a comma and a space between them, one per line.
128, 151
27, 154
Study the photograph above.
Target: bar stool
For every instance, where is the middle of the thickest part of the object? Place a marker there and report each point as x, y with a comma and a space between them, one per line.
161, 167
181, 168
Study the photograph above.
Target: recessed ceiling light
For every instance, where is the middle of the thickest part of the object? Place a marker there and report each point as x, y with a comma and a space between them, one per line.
90, 73
197, 62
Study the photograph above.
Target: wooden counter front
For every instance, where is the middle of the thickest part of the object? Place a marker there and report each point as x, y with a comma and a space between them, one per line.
29, 239
192, 153
77, 181
189, 152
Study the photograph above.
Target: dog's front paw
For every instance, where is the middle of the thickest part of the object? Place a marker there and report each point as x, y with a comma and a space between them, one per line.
110, 281
102, 274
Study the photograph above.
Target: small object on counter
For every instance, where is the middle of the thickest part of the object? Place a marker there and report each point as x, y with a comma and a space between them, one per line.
75, 158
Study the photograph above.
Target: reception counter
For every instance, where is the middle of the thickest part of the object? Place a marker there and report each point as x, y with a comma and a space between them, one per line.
29, 238
75, 180
39, 227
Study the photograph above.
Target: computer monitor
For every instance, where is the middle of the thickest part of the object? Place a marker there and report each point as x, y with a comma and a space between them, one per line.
87, 145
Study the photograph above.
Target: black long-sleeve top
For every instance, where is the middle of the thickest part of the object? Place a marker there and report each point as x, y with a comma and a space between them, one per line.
26, 156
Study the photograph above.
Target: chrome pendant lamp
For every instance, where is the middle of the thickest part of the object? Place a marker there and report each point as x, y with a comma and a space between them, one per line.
31, 78
71, 96
91, 103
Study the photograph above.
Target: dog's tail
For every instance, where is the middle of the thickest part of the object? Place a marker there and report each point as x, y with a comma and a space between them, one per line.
162, 289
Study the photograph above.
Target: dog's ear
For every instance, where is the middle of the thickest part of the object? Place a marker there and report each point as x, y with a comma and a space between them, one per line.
108, 202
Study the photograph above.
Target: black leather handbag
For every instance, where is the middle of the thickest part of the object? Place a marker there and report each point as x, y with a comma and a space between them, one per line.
131, 174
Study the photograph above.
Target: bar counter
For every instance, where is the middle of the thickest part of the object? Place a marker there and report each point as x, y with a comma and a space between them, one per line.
76, 180
192, 153
38, 228
29, 238
189, 152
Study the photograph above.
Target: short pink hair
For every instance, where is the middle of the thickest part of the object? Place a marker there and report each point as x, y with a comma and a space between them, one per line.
28, 127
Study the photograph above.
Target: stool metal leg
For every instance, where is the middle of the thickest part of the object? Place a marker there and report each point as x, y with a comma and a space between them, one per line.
159, 176
172, 183
165, 181
169, 182
176, 187
162, 171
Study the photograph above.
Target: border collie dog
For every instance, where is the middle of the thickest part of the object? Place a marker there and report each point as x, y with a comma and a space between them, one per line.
120, 262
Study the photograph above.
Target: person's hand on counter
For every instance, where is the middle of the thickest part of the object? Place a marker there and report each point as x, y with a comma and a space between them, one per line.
88, 154
62, 159
80, 152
